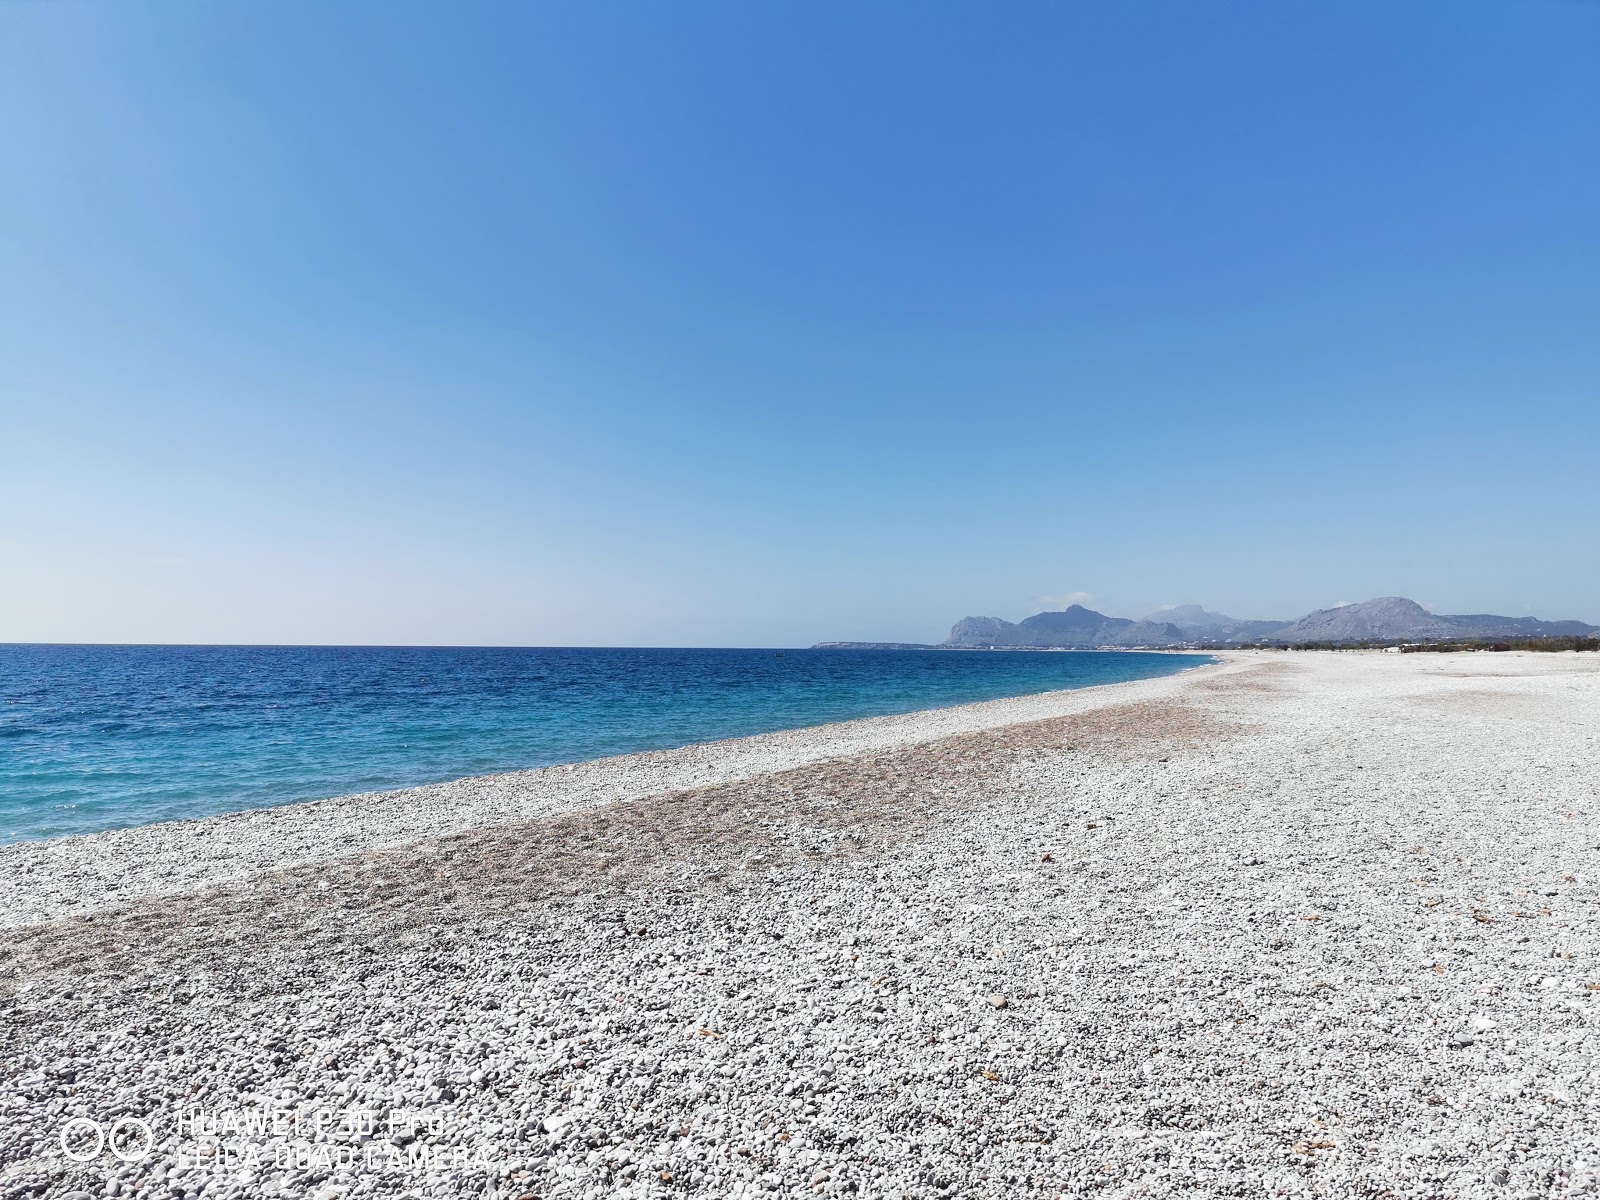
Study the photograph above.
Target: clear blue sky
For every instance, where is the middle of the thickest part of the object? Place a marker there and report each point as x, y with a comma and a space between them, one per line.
699, 324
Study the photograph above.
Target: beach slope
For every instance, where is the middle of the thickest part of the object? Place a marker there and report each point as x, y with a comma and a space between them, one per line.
1311, 923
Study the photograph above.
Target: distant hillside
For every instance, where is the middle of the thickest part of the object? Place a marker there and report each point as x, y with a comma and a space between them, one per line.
1199, 625
1395, 619
1077, 628
1385, 619
1485, 625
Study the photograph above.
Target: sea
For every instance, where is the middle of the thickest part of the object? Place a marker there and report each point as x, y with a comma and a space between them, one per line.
103, 737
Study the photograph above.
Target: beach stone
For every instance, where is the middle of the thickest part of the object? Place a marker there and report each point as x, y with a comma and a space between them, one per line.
1191, 1034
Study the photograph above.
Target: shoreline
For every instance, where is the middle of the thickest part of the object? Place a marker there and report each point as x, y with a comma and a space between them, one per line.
84, 873
78, 770
1319, 925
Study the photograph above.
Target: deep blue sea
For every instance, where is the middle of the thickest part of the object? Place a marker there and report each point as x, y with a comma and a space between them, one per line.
97, 737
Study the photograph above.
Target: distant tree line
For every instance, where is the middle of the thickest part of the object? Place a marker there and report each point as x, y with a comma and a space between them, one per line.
1445, 647
1547, 643
1367, 644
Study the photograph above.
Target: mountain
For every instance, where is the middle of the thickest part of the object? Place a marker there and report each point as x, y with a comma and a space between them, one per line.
1488, 626
1191, 616
1386, 619
981, 631
1394, 618
1201, 626
1147, 633
1076, 628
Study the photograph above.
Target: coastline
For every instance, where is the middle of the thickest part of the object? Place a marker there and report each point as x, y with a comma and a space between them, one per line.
73, 876
106, 737
1309, 924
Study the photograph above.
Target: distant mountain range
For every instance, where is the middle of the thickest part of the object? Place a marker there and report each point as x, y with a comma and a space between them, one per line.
1386, 619
1394, 618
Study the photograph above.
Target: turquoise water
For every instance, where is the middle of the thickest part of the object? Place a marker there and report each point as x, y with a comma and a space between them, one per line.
98, 737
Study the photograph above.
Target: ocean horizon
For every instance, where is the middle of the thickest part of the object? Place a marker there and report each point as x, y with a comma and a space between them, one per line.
98, 737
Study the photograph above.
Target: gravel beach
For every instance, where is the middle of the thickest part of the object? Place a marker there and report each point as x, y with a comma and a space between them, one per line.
1293, 924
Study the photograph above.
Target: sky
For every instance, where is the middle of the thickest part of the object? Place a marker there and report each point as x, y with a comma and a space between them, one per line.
732, 324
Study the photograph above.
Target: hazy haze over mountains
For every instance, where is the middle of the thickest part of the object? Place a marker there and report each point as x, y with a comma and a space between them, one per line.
1385, 619
1198, 624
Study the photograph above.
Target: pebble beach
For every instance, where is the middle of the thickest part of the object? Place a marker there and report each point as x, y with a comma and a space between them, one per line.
1289, 924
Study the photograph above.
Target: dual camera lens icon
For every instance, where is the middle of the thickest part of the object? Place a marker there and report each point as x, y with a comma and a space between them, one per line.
128, 1138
